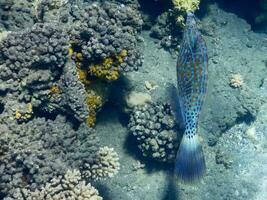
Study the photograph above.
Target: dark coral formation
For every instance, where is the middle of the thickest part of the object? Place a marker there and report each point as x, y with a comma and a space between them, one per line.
105, 30
166, 30
33, 153
155, 129
42, 46
16, 14
33, 64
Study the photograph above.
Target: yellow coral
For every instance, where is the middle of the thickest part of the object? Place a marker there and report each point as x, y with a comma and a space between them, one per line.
94, 102
108, 69
121, 56
180, 20
186, 5
91, 76
105, 70
54, 89
70, 51
24, 115
82, 73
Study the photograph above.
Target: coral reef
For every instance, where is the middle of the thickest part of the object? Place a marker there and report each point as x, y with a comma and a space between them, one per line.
155, 129
103, 41
35, 152
68, 187
169, 24
50, 88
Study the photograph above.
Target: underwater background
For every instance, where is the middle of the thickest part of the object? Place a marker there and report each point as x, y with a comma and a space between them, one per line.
88, 99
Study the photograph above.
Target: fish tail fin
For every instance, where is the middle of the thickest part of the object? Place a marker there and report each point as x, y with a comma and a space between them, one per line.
190, 163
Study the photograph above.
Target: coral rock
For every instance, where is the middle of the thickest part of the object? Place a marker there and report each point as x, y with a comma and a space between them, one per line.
155, 129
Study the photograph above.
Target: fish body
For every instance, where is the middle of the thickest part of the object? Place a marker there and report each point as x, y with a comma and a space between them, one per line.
192, 72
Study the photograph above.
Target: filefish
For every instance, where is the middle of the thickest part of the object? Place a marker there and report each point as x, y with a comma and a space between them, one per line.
192, 72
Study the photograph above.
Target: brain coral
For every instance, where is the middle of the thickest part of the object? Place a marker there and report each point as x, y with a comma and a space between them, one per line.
155, 128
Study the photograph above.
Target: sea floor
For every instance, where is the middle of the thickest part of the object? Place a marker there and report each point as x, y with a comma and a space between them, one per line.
237, 164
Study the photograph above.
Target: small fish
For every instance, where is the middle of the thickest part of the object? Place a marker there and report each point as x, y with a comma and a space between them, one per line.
192, 66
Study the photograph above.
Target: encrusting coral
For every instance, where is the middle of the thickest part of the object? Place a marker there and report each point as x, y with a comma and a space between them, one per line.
94, 102
108, 69
67, 187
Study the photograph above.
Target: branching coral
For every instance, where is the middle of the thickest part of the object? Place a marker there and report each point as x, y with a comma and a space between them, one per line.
236, 81
106, 166
68, 187
36, 151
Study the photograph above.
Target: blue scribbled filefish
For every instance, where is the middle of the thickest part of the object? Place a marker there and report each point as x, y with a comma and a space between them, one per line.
192, 66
